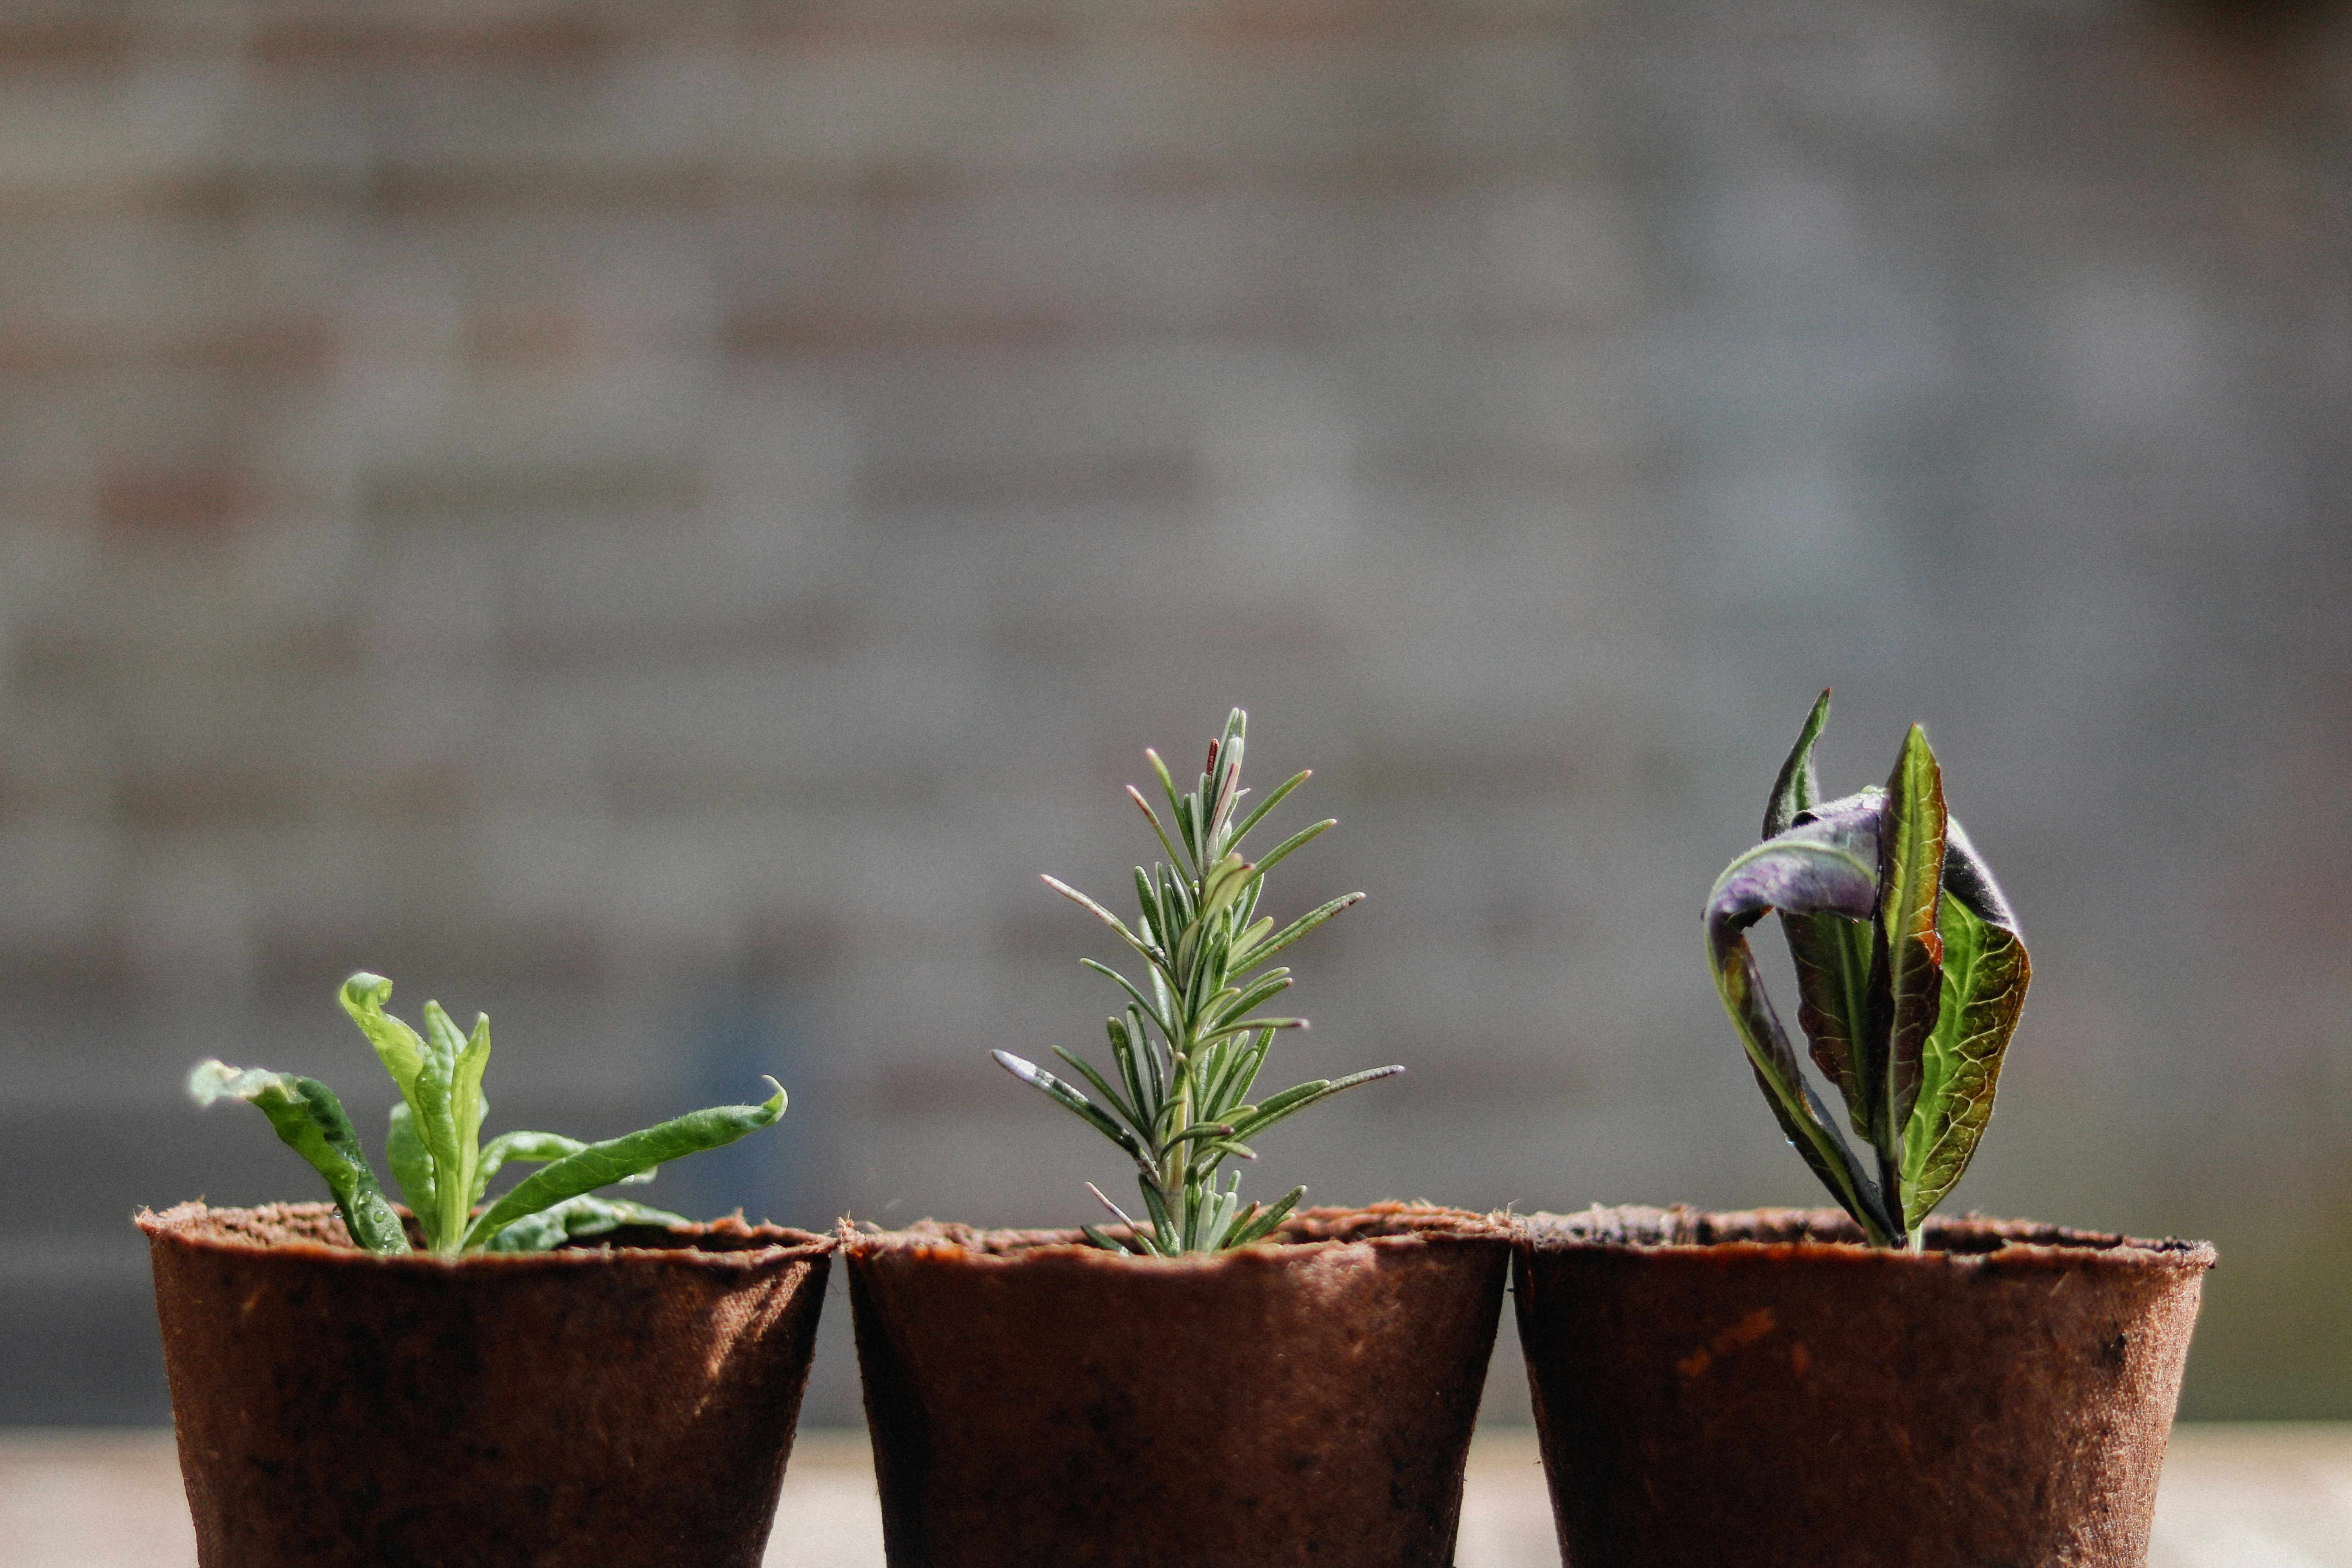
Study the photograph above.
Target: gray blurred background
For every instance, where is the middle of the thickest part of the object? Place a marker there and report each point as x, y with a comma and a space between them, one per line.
658, 521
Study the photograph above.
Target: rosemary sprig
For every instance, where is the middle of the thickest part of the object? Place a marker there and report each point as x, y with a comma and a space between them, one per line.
1189, 1044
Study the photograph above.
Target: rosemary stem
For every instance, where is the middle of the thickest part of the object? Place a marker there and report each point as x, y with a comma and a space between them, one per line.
1206, 954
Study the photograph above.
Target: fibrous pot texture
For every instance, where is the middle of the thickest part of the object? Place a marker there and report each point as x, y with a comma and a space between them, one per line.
629, 1402
1756, 1390
1035, 1400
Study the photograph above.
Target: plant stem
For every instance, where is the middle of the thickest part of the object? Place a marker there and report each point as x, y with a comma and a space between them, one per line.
1207, 953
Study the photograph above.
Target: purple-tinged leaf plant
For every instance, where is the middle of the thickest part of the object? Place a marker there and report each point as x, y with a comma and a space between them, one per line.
1910, 976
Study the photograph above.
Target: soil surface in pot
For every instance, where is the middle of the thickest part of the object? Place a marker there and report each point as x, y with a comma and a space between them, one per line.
625, 1401
1036, 1400
1759, 1389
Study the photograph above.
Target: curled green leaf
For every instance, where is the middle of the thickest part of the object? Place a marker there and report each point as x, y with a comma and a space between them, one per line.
310, 1120
396, 1044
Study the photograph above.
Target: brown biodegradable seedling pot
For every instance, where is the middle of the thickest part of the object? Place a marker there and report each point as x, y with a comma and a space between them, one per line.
1035, 1400
629, 1402
1759, 1389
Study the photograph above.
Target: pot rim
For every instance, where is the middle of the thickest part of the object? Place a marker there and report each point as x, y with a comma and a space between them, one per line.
1308, 1233
196, 1226
1829, 1237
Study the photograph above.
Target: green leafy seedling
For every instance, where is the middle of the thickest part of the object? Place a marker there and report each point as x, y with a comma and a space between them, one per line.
434, 1149
1190, 1044
1910, 978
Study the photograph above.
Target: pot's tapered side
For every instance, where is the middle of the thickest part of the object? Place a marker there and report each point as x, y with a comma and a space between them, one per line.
627, 1406
1758, 1391
1033, 1400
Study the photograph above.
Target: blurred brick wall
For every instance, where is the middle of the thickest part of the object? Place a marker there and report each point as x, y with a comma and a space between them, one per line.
656, 520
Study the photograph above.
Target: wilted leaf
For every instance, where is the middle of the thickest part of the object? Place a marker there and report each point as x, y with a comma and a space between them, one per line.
1802, 870
1831, 952
310, 1120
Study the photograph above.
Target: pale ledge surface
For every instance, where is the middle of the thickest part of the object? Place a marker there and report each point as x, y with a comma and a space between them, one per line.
2235, 1495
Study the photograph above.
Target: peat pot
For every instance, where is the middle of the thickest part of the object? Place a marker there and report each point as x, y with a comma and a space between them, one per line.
1036, 1400
624, 1403
1759, 1389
